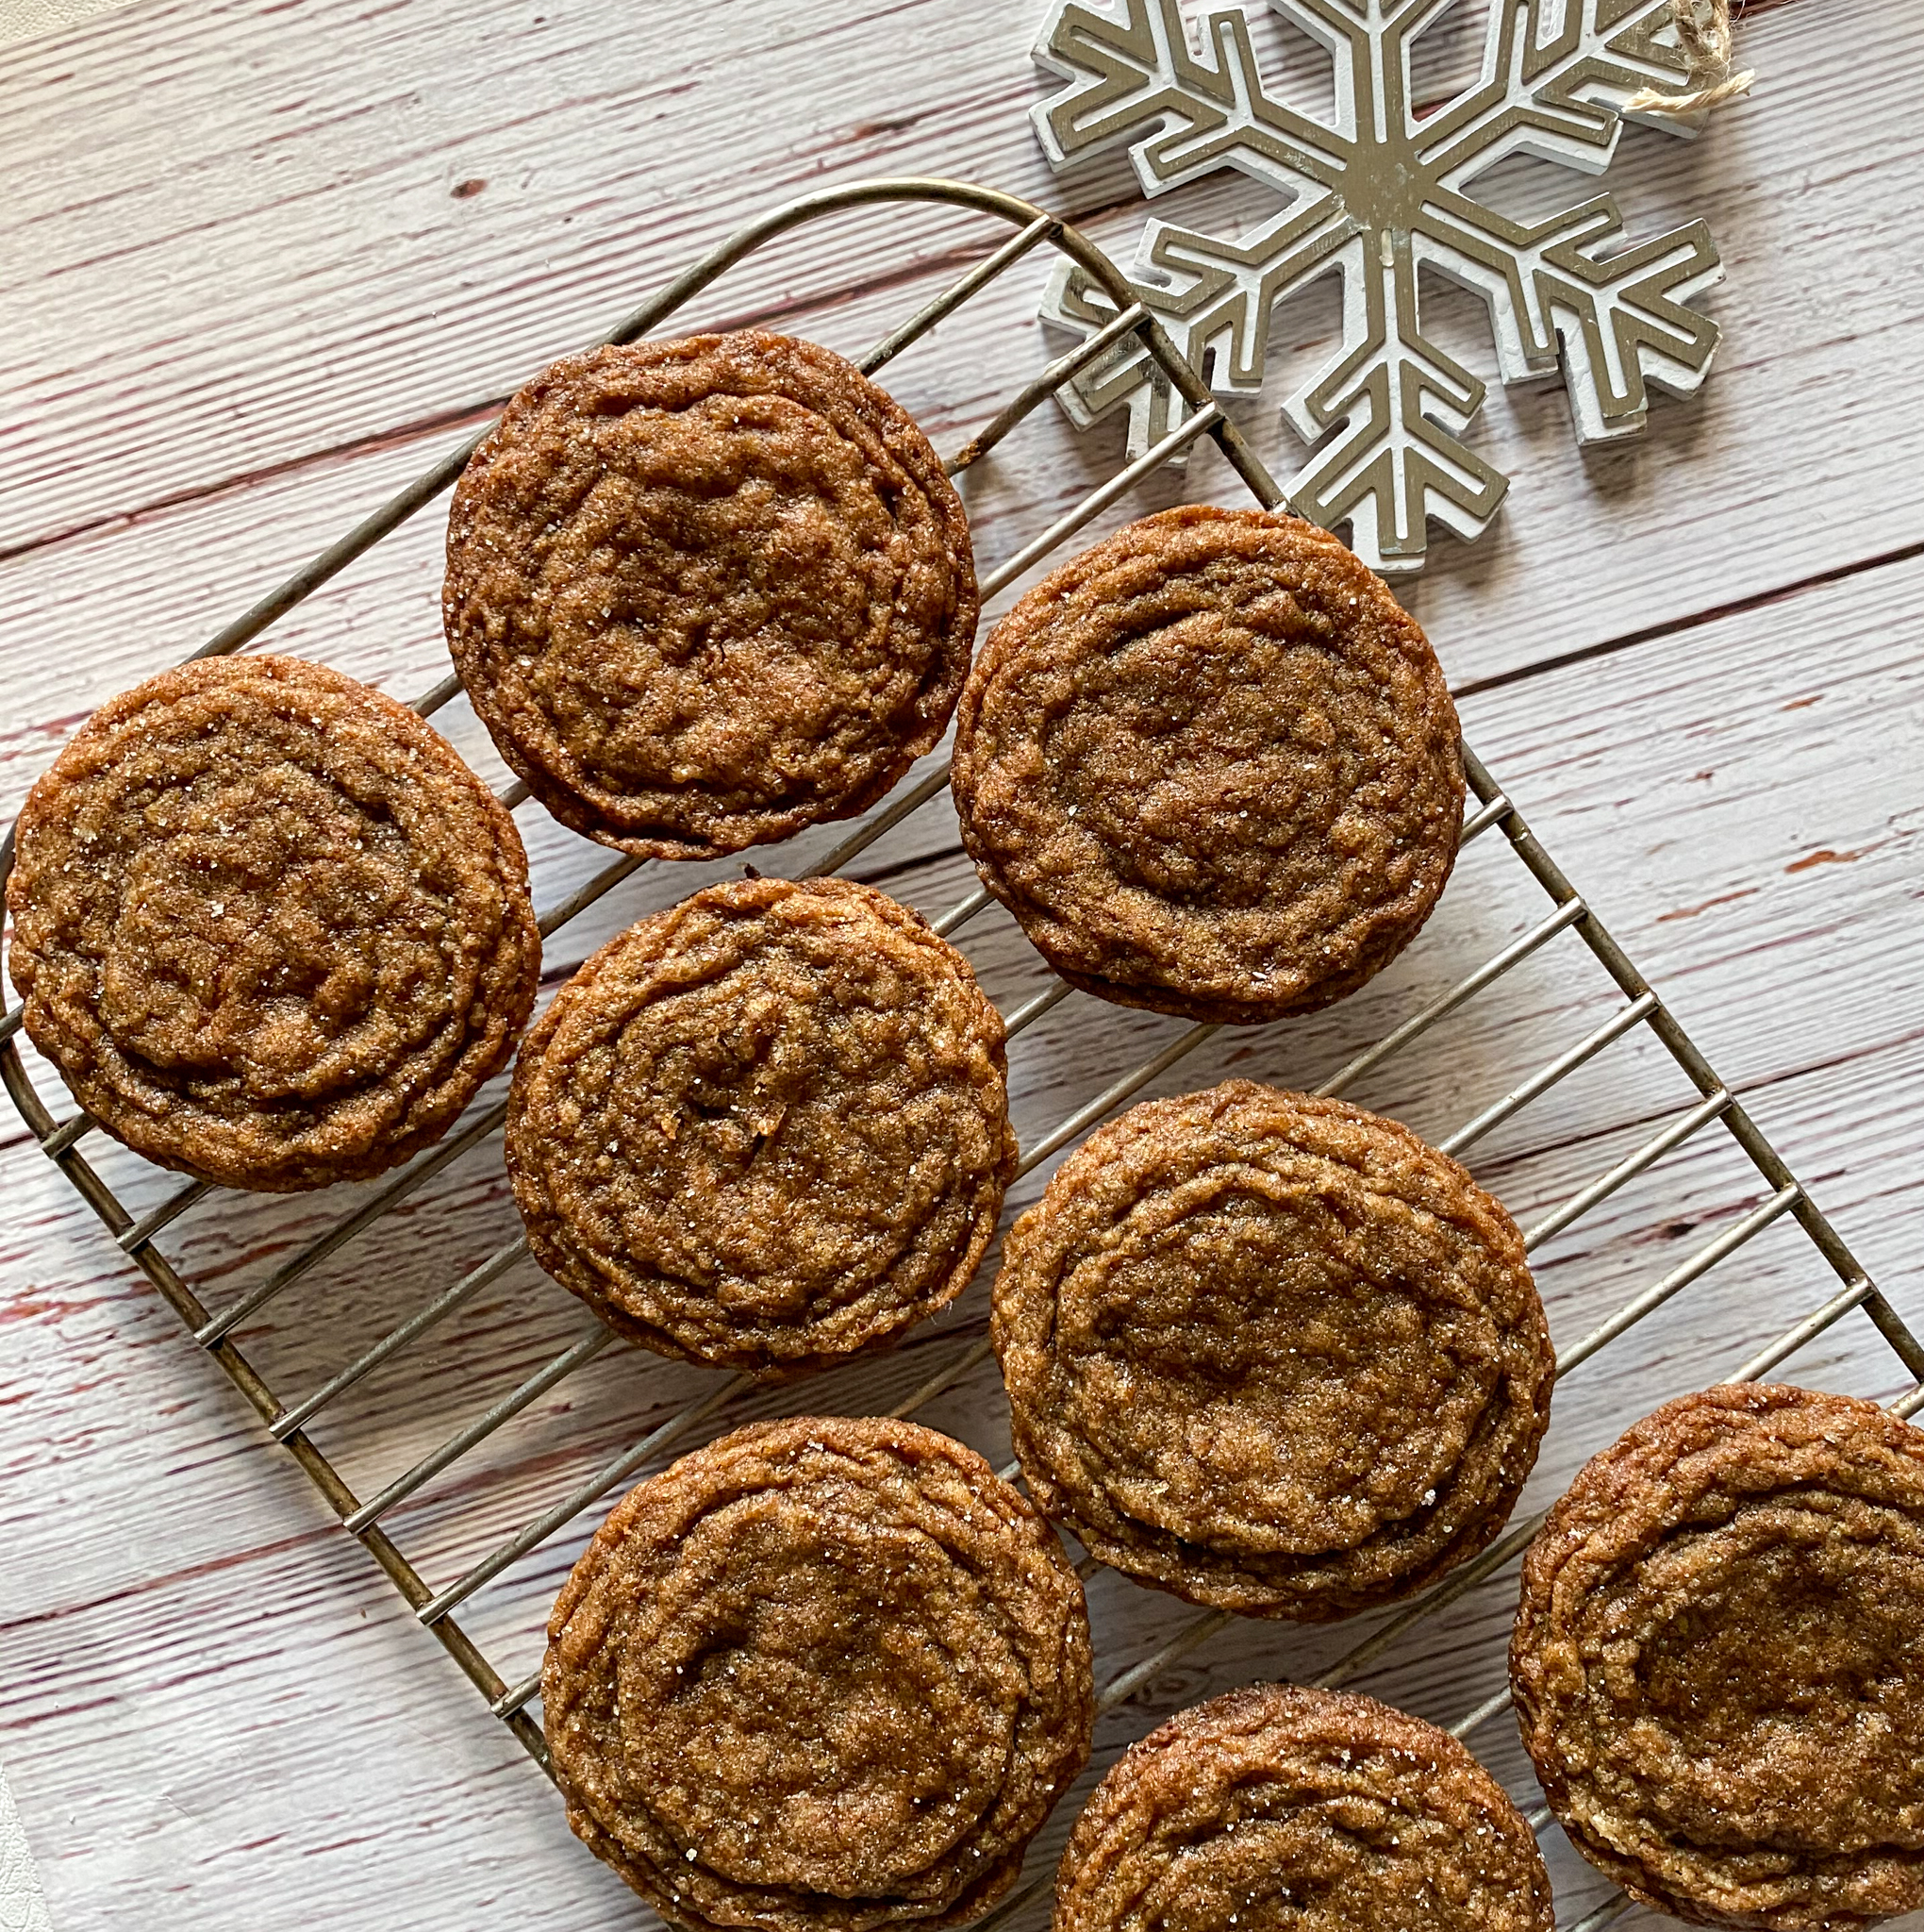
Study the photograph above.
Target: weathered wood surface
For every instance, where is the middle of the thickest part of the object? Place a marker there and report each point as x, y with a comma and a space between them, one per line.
246, 304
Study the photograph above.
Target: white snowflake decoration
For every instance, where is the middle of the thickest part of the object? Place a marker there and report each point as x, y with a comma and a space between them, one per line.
1376, 197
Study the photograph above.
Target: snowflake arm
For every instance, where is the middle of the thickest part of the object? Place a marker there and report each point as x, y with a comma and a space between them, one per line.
1379, 197
1214, 297
1368, 41
1558, 97
1209, 109
1400, 407
1615, 321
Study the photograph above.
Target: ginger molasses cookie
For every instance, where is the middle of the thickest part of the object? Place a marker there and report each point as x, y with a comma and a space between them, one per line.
1719, 1663
1211, 766
269, 928
1315, 1809
1271, 1353
706, 592
822, 1675
766, 1129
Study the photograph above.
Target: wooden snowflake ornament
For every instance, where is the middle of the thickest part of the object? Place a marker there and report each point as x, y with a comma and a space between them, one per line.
1376, 197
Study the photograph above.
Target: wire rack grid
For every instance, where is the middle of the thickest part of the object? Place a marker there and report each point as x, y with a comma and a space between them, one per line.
1638, 1007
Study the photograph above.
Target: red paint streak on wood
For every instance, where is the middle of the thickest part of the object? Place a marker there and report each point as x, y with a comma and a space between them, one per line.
1691, 912
1824, 855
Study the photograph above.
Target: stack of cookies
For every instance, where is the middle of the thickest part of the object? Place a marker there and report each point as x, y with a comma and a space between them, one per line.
1268, 1352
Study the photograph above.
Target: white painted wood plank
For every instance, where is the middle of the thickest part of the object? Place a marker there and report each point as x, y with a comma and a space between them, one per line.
307, 282
222, 1711
190, 1655
249, 1688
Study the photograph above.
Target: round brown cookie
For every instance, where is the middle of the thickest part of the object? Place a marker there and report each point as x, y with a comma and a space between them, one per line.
766, 1129
1211, 766
706, 592
269, 927
1271, 1353
1718, 1662
1314, 1809
822, 1674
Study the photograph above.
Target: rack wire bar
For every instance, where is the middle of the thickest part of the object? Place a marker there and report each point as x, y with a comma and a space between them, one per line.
604, 882
957, 293
960, 914
1111, 1097
1031, 394
390, 1196
891, 815
1490, 1707
1098, 500
972, 1356
1466, 988
1460, 1582
512, 1699
1031, 1010
1120, 1690
1612, 1907
1628, 1169
1031, 228
578, 1499
430, 701
1481, 820
484, 1425
1849, 1296
175, 1204
1702, 1263
1546, 1078
396, 1339
66, 1135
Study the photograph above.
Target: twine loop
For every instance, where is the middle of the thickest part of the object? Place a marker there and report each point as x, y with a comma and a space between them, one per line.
1703, 33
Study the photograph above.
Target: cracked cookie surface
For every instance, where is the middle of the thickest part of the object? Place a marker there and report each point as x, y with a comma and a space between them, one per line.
1211, 766
706, 592
1271, 1353
766, 1129
270, 929
1319, 1810
1719, 1661
823, 1675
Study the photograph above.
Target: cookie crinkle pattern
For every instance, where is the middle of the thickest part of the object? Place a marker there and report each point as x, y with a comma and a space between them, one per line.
1316, 1810
1719, 1661
706, 592
270, 929
767, 1128
1211, 766
1271, 1353
826, 1675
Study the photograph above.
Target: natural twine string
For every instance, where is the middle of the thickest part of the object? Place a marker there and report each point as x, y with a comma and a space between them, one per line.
1703, 31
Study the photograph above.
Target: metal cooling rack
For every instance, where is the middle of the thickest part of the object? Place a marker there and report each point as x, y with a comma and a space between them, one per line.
434, 1605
